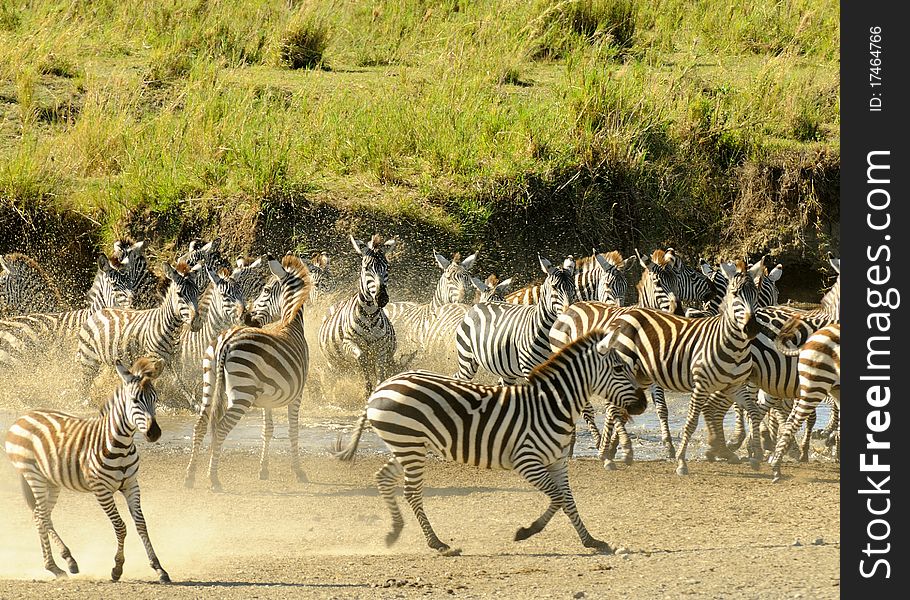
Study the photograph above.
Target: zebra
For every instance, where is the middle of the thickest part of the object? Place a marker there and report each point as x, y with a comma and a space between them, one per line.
222, 305
598, 277
708, 356
356, 331
321, 275
129, 257
656, 289
767, 289
774, 375
691, 285
53, 450
25, 338
263, 367
26, 288
524, 428
490, 290
510, 340
113, 333
819, 377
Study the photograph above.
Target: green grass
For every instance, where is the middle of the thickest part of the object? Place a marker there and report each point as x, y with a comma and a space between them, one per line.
442, 109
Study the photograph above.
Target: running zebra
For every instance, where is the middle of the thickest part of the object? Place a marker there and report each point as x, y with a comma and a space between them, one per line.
257, 367
819, 378
31, 338
53, 450
598, 277
524, 428
510, 340
356, 331
118, 333
26, 288
708, 357
322, 278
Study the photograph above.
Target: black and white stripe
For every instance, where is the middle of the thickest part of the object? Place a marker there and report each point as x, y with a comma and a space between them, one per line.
26, 288
52, 450
257, 367
599, 277
523, 428
356, 333
510, 340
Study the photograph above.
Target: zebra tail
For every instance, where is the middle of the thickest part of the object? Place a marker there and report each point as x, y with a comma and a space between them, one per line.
27, 492
784, 341
219, 400
347, 454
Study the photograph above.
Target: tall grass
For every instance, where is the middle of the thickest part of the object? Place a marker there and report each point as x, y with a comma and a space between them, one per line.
442, 103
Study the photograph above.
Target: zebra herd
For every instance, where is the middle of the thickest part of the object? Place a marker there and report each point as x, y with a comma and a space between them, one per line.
717, 333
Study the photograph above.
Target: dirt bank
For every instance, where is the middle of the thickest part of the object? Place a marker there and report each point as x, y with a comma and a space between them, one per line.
723, 532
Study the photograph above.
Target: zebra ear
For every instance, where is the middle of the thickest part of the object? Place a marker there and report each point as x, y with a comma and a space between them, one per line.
603, 346
757, 270
776, 272
706, 269
103, 263
441, 260
834, 262
390, 245
502, 286
214, 276
193, 244
240, 262
171, 273
644, 261
569, 264
124, 373
469, 262
256, 263
545, 265
358, 245
138, 246
729, 270
276, 269
603, 262
479, 285
627, 263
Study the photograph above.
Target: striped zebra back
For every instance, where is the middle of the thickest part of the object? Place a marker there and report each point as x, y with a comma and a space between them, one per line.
510, 340
83, 453
26, 288
129, 258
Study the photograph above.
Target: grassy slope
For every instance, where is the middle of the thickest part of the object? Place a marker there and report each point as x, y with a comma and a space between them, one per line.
659, 118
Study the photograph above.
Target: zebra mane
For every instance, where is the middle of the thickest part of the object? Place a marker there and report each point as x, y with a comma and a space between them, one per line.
19, 260
297, 267
492, 281
551, 366
182, 267
660, 257
147, 369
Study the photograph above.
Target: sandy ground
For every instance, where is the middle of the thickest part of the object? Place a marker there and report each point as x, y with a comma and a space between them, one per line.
722, 532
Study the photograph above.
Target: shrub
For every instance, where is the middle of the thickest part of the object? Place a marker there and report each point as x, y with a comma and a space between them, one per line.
304, 42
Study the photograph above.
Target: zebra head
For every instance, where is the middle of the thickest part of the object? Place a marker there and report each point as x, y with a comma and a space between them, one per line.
491, 290
613, 286
741, 298
250, 277
691, 285
374, 268
614, 379
322, 277
558, 290
285, 292
139, 395
208, 252
657, 287
767, 284
116, 286
233, 301
455, 282
184, 293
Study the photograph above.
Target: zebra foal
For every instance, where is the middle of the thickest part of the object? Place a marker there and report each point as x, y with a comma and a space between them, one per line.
524, 428
53, 450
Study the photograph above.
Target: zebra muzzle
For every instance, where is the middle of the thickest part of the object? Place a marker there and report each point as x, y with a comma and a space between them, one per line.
153, 432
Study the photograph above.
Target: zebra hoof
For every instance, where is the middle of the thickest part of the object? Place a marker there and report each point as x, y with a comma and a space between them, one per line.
755, 464
628, 458
72, 566
524, 533
600, 546
189, 481
710, 456
264, 474
216, 487
447, 551
682, 469
775, 475
392, 536
609, 465
732, 459
116, 572
163, 577
58, 572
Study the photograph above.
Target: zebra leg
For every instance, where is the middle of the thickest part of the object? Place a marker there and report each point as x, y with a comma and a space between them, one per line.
806, 442
52, 493
387, 478
42, 519
268, 428
130, 491
625, 441
202, 423
832, 426
559, 472
294, 437
607, 448
663, 415
238, 408
413, 493
739, 429
800, 411
106, 498
695, 407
